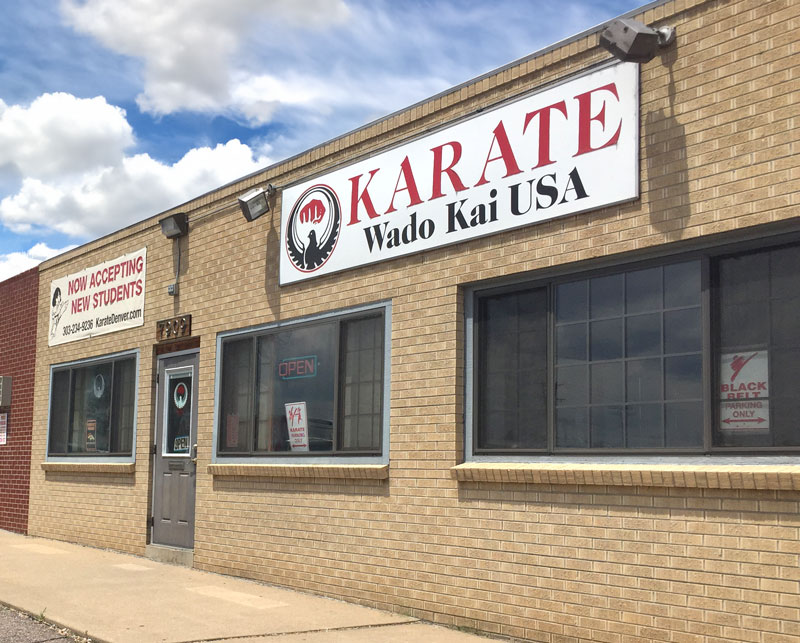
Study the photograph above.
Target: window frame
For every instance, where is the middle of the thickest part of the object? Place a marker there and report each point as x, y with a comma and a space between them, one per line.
82, 363
384, 310
707, 252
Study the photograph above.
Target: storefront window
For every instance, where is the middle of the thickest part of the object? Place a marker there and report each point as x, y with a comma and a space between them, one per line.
313, 388
614, 362
93, 407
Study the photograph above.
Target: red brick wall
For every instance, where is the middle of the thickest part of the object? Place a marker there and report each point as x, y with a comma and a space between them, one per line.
18, 297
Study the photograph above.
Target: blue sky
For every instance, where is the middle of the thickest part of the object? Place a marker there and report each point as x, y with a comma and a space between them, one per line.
148, 103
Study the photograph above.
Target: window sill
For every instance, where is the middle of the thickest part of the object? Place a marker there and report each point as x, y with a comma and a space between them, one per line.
358, 472
728, 476
89, 467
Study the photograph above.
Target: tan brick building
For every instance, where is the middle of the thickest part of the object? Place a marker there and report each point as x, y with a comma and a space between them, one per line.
571, 416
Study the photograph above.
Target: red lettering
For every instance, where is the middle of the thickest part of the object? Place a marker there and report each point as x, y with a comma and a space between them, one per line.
585, 119
506, 154
438, 170
310, 366
364, 198
544, 130
410, 186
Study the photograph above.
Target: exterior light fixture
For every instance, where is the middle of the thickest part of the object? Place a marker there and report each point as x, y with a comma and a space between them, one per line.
631, 41
256, 202
175, 225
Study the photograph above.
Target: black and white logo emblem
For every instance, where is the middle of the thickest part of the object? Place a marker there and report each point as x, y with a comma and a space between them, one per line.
313, 228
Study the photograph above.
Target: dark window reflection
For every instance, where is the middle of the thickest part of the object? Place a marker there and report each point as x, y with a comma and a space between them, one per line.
512, 404
759, 324
641, 355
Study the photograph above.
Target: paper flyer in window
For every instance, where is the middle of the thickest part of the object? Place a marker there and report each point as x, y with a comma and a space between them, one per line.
3, 429
297, 424
744, 391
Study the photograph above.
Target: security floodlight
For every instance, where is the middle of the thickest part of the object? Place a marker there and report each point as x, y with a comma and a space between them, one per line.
175, 225
256, 202
631, 41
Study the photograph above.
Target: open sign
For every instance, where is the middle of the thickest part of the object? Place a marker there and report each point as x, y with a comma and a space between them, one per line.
293, 368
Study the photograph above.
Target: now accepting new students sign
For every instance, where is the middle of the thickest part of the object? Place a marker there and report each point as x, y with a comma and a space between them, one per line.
101, 299
570, 148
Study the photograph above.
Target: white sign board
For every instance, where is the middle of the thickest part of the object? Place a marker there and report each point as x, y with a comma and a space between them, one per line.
297, 423
99, 300
3, 429
566, 149
744, 391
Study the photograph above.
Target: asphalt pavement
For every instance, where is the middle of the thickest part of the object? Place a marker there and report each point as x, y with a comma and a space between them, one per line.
18, 627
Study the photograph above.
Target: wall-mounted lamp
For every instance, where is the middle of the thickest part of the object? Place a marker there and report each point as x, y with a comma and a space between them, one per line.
175, 225
256, 202
633, 42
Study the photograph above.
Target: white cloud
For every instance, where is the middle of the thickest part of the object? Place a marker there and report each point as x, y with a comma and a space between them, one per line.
189, 47
77, 179
324, 65
16, 262
60, 134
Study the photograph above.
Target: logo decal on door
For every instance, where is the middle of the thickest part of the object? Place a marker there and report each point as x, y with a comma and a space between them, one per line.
181, 395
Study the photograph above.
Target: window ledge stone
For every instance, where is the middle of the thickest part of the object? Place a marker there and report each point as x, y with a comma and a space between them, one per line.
778, 477
359, 471
90, 467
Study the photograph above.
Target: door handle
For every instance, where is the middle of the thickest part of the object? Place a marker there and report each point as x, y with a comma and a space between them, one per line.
194, 453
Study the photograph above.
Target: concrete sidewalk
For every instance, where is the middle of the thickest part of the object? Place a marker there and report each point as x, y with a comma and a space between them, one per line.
119, 598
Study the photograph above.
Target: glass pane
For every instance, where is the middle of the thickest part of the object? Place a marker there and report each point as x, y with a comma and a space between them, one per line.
683, 377
606, 296
606, 339
644, 424
92, 409
784, 270
572, 385
59, 412
785, 321
266, 439
784, 401
512, 380
682, 333
361, 429
571, 428
684, 424
571, 343
236, 396
744, 325
606, 383
298, 366
784, 423
643, 335
644, 382
571, 301
123, 406
179, 415
643, 291
682, 284
606, 427
744, 280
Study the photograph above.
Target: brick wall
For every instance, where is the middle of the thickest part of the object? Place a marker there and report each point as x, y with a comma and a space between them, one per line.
17, 359
573, 560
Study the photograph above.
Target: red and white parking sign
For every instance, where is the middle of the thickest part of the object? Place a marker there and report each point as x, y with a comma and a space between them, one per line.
744, 391
297, 423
